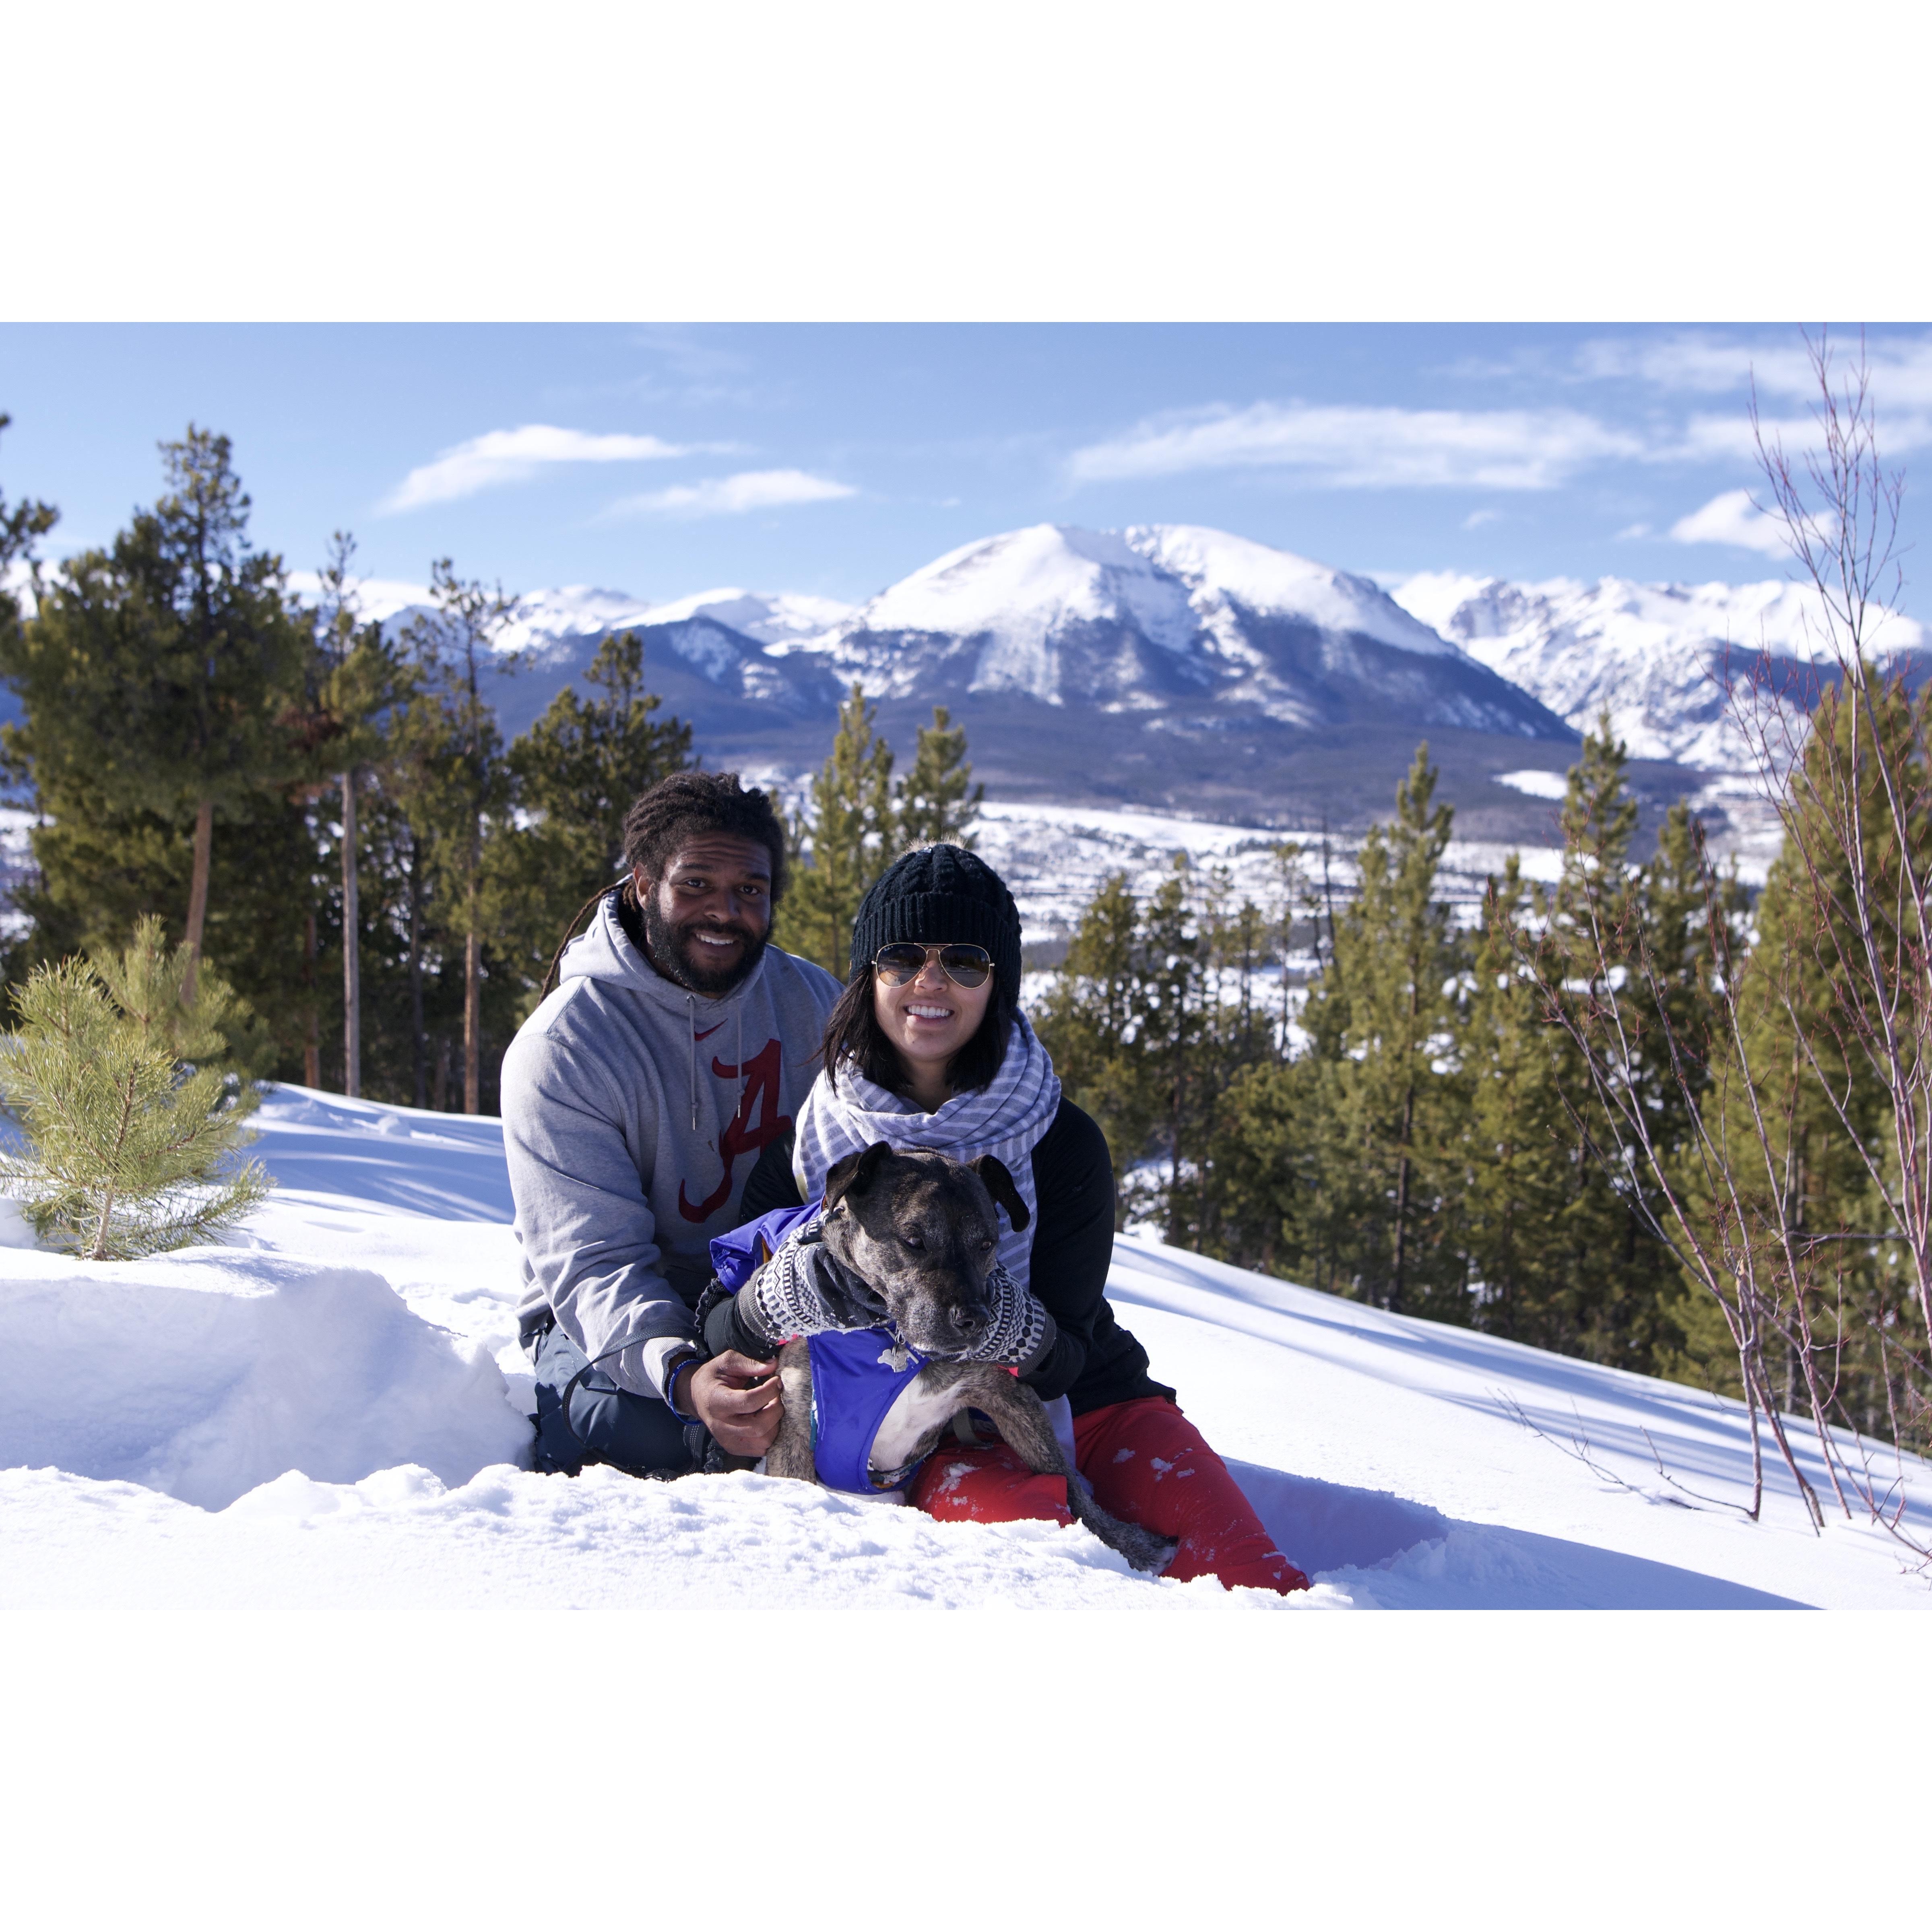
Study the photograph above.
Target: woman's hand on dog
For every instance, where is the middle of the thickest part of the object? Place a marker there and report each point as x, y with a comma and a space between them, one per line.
736, 1398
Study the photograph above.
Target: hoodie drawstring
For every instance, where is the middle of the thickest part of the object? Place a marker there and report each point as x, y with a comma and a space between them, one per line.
690, 1019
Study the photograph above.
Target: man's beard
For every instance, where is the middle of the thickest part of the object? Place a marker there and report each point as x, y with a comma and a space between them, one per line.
674, 952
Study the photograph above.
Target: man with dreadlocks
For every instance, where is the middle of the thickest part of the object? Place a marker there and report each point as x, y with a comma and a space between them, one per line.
636, 1098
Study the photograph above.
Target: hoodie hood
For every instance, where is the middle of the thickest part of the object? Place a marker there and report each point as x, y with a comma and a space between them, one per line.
633, 1111
605, 952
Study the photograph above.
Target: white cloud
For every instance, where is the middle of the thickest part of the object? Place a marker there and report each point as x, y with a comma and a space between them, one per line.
732, 496
1731, 519
1702, 364
1705, 364
513, 455
1366, 447
1476, 519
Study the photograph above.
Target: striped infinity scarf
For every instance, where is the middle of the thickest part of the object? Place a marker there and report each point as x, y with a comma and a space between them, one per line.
1005, 1119
789, 1296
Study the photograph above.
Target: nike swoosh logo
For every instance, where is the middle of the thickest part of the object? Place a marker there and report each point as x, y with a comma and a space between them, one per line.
708, 1031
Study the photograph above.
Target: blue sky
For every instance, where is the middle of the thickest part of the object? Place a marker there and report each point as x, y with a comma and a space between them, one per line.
835, 459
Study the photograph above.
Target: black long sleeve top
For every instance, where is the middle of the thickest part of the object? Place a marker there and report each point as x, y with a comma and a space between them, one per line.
1094, 1361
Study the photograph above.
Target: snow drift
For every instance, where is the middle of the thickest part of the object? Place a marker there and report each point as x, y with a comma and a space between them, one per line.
205, 1373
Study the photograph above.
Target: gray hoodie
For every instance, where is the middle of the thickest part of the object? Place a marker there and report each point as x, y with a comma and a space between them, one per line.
634, 1112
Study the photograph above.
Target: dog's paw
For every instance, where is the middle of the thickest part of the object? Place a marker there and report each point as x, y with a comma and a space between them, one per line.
1143, 1550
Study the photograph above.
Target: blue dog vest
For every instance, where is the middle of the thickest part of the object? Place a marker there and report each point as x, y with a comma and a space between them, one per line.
857, 1374
737, 1255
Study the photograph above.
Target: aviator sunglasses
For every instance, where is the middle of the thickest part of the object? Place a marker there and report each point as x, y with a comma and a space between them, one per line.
963, 965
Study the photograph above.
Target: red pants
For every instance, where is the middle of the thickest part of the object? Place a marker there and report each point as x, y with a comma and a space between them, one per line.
1149, 1465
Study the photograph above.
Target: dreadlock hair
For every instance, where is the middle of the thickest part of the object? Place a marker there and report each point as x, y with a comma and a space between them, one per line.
853, 1033
662, 819
689, 802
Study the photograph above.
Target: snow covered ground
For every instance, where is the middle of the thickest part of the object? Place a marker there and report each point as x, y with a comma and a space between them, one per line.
327, 1413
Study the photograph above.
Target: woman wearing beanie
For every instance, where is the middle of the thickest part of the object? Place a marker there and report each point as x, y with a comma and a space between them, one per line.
928, 1048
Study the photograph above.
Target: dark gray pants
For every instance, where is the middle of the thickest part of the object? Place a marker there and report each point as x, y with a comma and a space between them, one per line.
583, 1417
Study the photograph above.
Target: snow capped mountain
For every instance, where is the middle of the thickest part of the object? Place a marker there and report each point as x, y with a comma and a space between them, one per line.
1658, 656
1226, 574
1017, 603
547, 619
726, 644
1171, 630
1180, 667
1162, 619
784, 619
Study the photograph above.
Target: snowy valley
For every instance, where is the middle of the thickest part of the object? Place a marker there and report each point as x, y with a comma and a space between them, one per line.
327, 1412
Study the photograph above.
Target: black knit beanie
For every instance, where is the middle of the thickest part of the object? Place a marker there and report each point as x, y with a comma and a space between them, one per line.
941, 895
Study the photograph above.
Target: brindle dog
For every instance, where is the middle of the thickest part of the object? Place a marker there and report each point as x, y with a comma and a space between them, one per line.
919, 1230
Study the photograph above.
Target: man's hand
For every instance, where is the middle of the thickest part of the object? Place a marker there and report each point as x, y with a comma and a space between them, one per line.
736, 1398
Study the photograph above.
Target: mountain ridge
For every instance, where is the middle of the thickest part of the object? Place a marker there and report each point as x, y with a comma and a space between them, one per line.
1661, 658
1181, 668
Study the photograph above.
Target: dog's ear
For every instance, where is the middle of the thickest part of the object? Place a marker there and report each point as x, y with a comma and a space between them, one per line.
1000, 1186
853, 1174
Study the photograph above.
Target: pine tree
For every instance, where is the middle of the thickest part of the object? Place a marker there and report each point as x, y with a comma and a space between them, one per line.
158, 681
1240, 1033
1524, 1178
1612, 928
845, 838
1286, 1204
464, 781
1396, 955
216, 654
126, 1140
937, 802
1842, 1293
1173, 1026
411, 963
361, 681
1089, 1022
576, 772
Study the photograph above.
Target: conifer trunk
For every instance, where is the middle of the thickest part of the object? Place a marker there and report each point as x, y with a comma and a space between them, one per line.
352, 948
197, 894
1407, 1141
419, 1043
472, 979
99, 1250
312, 1022
473, 1021
1401, 1224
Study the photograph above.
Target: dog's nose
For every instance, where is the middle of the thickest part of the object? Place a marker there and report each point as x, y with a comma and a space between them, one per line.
971, 1322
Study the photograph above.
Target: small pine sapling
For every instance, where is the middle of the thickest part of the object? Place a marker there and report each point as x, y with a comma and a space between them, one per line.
128, 1119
